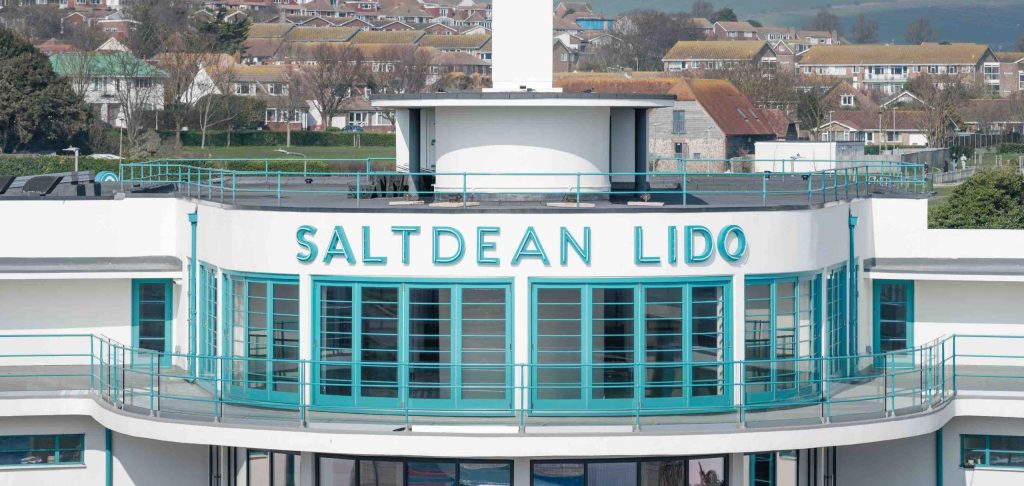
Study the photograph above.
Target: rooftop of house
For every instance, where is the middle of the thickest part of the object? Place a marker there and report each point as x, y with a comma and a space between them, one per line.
454, 41
905, 120
685, 50
1009, 56
777, 120
394, 37
737, 26
1000, 110
731, 110
928, 53
262, 47
118, 64
702, 22
320, 34
269, 30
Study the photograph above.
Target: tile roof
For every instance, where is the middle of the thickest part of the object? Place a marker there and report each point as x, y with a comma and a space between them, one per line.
929, 53
618, 83
868, 120
393, 37
262, 47
734, 114
265, 73
267, 30
702, 22
321, 34
118, 64
454, 41
992, 111
684, 50
777, 120
1009, 56
738, 26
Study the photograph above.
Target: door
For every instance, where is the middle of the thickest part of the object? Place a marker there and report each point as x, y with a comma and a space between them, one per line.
893, 302
151, 322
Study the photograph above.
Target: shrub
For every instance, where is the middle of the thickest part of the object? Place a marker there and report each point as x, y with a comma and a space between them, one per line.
990, 199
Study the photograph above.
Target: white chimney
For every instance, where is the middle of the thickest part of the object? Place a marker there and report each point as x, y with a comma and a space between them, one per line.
522, 44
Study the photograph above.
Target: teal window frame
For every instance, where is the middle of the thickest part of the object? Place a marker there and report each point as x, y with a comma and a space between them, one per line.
208, 311
57, 451
241, 373
987, 449
880, 303
640, 384
405, 363
678, 467
758, 476
456, 463
840, 339
290, 476
164, 357
792, 375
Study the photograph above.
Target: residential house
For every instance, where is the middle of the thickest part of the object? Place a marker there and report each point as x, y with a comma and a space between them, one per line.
710, 120
705, 26
113, 23
845, 97
698, 55
734, 31
1011, 73
880, 127
888, 67
785, 128
564, 58
580, 17
53, 46
992, 116
467, 44
268, 83
109, 80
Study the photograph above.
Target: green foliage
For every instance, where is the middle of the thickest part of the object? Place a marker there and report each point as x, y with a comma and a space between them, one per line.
38, 109
991, 199
1011, 148
225, 36
264, 138
723, 15
25, 166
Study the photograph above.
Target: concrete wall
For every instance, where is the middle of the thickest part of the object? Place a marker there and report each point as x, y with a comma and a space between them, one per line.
954, 475
93, 472
522, 140
143, 462
946, 307
906, 462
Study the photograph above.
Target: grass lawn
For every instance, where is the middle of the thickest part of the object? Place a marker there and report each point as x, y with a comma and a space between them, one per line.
187, 152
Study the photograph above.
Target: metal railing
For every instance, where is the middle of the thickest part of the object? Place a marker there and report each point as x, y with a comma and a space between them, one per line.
788, 391
211, 181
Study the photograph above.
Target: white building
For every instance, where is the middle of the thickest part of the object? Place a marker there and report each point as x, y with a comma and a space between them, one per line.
526, 324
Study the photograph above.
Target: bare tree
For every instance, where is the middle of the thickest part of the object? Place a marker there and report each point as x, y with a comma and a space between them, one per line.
216, 79
138, 87
824, 20
865, 30
405, 69
920, 31
292, 100
943, 98
702, 9
80, 69
335, 72
640, 39
186, 54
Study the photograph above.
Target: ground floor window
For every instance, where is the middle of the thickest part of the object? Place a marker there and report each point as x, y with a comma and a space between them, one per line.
262, 330
430, 344
355, 471
991, 450
208, 320
602, 346
762, 469
699, 471
151, 321
781, 336
271, 468
893, 315
34, 450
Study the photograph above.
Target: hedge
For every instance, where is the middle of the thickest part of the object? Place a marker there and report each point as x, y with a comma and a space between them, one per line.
263, 138
1011, 148
25, 166
51, 164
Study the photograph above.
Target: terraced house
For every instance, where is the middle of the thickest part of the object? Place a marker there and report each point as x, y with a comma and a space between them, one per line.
887, 67
722, 54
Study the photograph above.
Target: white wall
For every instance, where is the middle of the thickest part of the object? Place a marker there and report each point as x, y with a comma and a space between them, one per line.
522, 140
906, 462
954, 475
942, 308
92, 473
522, 44
623, 143
143, 462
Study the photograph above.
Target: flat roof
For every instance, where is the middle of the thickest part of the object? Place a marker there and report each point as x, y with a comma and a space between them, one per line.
956, 266
91, 264
523, 98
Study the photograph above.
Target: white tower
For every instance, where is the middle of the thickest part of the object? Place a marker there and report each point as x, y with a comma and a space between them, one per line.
522, 38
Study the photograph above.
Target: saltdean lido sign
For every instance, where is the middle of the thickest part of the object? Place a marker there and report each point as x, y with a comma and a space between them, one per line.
449, 246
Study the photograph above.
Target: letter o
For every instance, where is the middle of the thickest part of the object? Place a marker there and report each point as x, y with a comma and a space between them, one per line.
723, 243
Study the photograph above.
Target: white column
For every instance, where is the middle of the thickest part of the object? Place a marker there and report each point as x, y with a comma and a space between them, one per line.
306, 334
738, 469
522, 45
738, 351
307, 469
521, 472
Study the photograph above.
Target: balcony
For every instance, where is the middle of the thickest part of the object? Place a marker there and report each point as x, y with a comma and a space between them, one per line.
796, 392
676, 183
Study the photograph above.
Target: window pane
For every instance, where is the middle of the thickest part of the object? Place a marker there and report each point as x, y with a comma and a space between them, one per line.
611, 474
484, 474
259, 468
337, 472
286, 469
432, 473
612, 343
558, 474
380, 473
559, 344
707, 470
662, 473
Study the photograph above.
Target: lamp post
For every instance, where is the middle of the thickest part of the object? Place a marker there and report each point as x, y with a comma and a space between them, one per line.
305, 161
75, 150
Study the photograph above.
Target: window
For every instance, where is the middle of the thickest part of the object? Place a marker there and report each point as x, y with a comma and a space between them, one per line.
678, 122
781, 336
151, 321
894, 315
841, 338
892, 136
762, 469
991, 73
354, 471
588, 337
243, 89
1020, 81
846, 100
869, 136
617, 472
436, 345
680, 151
565, 57
991, 450
933, 70
42, 450
262, 331
269, 468
207, 320
276, 89
856, 69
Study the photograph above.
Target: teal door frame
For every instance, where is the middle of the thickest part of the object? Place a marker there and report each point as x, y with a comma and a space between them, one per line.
164, 360
209, 332
898, 359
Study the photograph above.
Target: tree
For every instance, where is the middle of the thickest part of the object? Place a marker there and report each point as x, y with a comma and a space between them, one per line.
864, 30
943, 97
920, 31
34, 22
824, 21
335, 73
217, 79
990, 199
38, 109
1019, 44
223, 35
138, 88
407, 69
156, 22
640, 40
755, 23
187, 53
814, 107
724, 15
702, 9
